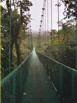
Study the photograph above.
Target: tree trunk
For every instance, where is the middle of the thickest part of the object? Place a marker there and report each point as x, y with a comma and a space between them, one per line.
17, 51
11, 51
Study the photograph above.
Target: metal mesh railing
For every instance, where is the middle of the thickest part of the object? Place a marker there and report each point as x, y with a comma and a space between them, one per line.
12, 85
63, 78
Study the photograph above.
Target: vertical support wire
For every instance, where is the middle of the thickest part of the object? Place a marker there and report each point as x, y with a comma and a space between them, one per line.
47, 20
31, 38
10, 39
0, 52
29, 42
58, 5
51, 22
58, 15
14, 78
76, 38
45, 25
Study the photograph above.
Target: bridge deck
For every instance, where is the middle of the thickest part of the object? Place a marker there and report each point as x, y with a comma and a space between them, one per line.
34, 82
37, 88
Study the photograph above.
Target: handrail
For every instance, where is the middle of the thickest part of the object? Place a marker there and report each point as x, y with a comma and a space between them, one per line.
72, 69
14, 71
61, 77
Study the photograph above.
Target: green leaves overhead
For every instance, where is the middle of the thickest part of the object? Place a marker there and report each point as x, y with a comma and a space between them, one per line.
71, 8
25, 4
14, 17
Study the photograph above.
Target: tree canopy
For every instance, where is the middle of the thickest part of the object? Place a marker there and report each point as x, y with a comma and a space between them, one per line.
15, 17
71, 8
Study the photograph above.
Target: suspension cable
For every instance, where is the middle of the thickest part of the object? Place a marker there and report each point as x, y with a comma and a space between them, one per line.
58, 5
41, 21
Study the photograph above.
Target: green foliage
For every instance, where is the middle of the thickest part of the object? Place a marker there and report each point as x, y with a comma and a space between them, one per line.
63, 48
4, 41
67, 33
12, 23
71, 8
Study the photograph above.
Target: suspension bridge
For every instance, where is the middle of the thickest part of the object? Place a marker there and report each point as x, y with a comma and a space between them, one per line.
40, 79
